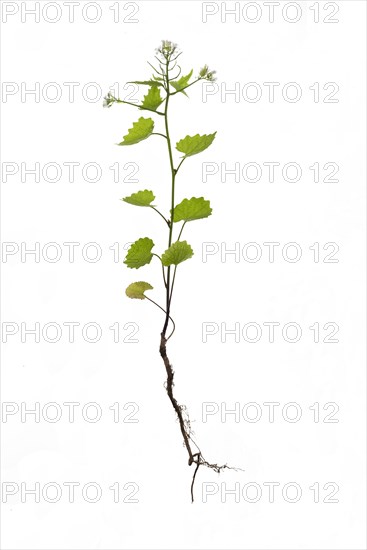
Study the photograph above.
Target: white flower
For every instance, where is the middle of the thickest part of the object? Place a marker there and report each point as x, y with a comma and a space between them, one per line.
108, 100
167, 48
206, 74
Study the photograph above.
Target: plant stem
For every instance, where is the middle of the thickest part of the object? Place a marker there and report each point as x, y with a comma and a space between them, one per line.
139, 106
160, 307
188, 86
164, 276
173, 282
162, 348
178, 167
158, 212
158, 134
158, 72
183, 225
174, 273
173, 175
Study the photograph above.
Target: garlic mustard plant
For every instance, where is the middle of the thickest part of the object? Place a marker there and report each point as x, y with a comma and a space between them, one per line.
166, 82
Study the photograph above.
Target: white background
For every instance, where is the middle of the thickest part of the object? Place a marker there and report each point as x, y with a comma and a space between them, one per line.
149, 453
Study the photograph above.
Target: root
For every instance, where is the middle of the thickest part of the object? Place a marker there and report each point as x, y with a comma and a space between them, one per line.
185, 424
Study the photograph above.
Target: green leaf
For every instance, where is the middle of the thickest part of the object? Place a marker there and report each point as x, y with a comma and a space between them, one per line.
182, 83
136, 290
178, 252
152, 99
146, 82
192, 145
139, 253
140, 130
192, 209
141, 198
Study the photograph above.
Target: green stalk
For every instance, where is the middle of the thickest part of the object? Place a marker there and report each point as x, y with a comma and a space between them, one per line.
173, 176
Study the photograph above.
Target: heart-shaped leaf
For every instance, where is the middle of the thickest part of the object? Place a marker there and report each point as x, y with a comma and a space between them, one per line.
139, 253
140, 198
192, 145
136, 290
192, 209
140, 130
178, 252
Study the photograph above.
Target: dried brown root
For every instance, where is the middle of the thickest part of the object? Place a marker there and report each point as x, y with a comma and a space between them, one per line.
185, 424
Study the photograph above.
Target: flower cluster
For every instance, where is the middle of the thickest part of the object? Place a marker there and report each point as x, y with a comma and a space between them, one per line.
108, 100
206, 74
167, 49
